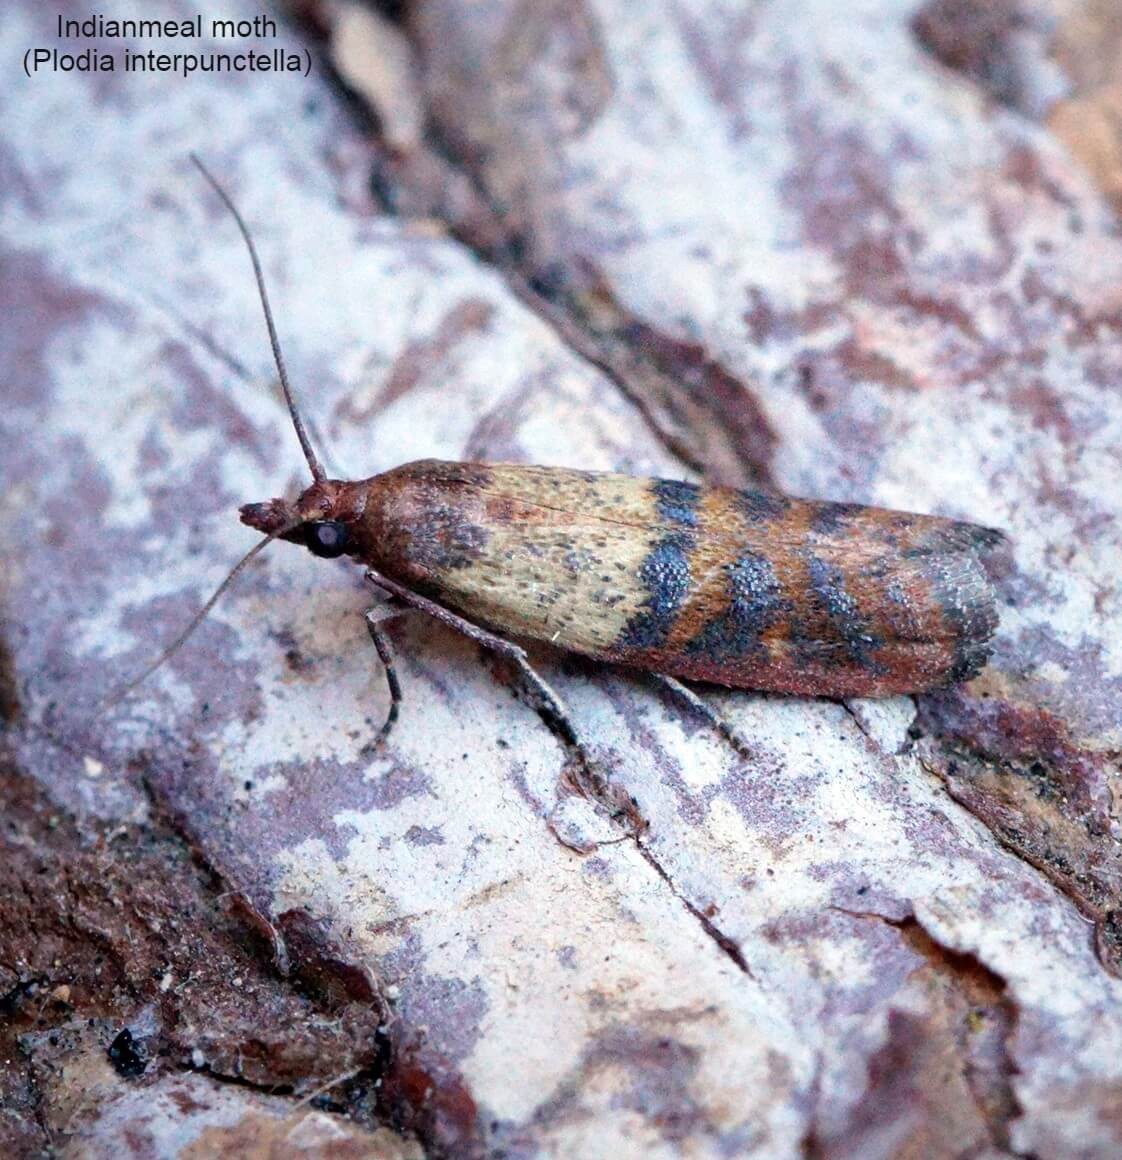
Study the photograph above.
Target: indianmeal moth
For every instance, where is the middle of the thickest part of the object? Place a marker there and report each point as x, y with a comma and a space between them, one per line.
739, 588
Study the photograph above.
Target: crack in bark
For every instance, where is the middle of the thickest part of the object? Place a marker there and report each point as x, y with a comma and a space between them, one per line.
682, 421
115, 922
400, 1088
595, 786
1091, 897
314, 1098
860, 725
163, 811
727, 945
235, 1080
975, 993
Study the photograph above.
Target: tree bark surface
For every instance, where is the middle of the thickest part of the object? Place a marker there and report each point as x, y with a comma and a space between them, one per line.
863, 252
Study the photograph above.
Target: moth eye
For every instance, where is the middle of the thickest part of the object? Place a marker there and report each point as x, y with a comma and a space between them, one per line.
327, 538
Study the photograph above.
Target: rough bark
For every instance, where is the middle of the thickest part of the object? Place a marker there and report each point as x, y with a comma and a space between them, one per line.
842, 251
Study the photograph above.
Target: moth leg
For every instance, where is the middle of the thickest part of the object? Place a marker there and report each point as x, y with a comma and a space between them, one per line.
375, 617
703, 709
439, 612
547, 702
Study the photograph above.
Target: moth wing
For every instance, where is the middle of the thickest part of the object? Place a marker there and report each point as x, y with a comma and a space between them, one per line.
737, 587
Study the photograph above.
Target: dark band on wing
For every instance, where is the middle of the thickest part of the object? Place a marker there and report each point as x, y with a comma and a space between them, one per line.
677, 501
665, 575
761, 506
827, 583
755, 602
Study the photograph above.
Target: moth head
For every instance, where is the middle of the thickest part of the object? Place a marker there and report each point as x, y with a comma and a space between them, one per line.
320, 518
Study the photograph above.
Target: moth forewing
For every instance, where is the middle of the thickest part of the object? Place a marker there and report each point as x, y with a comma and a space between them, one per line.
740, 588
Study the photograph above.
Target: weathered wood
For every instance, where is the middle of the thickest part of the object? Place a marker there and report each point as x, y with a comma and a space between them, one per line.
724, 239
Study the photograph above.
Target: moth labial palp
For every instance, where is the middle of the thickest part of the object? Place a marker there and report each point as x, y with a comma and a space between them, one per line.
734, 587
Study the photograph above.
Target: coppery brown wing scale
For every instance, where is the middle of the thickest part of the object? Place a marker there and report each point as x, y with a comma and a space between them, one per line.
736, 587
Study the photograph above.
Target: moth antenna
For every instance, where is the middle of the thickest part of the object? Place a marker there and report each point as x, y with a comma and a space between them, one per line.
318, 474
197, 619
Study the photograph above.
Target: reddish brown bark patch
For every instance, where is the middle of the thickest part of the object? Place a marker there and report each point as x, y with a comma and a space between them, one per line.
1017, 768
974, 37
425, 1094
941, 1083
119, 926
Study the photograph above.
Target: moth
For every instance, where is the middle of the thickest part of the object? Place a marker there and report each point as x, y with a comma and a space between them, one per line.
739, 588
